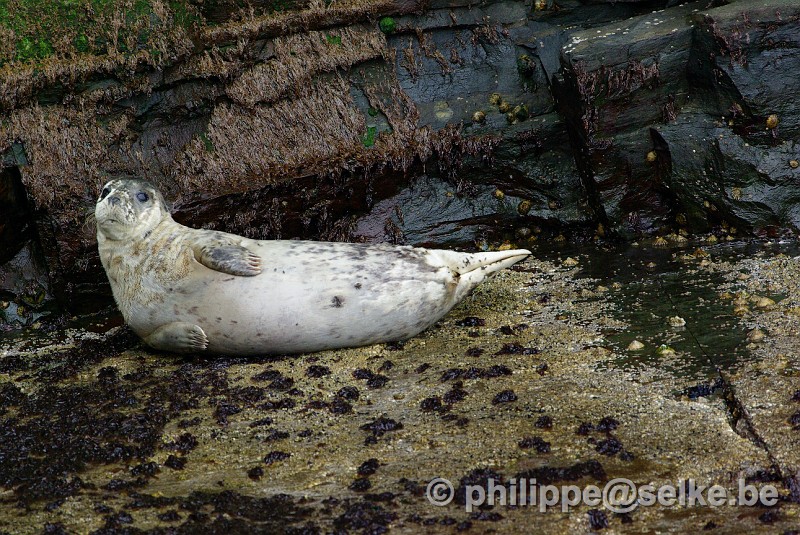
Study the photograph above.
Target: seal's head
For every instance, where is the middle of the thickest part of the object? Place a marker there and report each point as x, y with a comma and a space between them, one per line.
129, 209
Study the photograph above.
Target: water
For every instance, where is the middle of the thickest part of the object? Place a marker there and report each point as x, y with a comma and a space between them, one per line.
654, 284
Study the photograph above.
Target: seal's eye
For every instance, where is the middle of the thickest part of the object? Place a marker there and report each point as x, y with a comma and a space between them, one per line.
104, 193
142, 196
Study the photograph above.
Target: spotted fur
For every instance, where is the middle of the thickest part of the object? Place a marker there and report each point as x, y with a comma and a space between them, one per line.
188, 290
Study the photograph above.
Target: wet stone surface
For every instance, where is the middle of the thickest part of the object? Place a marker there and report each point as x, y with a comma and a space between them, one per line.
531, 377
405, 121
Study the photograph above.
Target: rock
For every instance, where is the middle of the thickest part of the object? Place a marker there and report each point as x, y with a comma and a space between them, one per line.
323, 122
665, 351
617, 82
764, 302
756, 335
635, 345
676, 321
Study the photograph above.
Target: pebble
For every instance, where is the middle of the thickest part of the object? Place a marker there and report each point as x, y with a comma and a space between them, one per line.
676, 321
636, 345
756, 335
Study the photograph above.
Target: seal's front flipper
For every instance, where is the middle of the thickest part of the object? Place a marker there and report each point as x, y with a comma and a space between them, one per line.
228, 257
178, 337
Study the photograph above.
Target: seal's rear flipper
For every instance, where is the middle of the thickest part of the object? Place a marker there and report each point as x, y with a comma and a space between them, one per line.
470, 269
493, 261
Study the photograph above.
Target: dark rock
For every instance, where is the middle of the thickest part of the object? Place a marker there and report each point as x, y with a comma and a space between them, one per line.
607, 423
506, 396
316, 370
368, 467
381, 426
544, 422
662, 123
597, 519
348, 392
615, 83
536, 443
276, 456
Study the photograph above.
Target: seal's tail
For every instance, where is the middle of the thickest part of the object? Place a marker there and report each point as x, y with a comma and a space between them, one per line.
470, 269
491, 262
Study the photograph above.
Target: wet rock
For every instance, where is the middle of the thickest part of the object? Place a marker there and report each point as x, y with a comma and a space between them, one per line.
368, 467
617, 82
276, 456
597, 519
704, 389
536, 443
605, 112
19, 268
381, 426
506, 396
544, 422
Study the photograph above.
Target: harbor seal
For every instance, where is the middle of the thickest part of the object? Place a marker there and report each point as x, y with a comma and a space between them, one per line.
189, 290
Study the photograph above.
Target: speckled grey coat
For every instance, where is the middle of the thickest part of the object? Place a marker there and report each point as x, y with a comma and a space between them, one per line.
188, 290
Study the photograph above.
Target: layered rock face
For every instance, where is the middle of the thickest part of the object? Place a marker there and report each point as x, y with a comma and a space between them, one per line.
438, 122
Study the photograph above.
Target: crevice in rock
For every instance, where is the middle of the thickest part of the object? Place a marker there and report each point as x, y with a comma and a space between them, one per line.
736, 413
566, 96
742, 424
738, 417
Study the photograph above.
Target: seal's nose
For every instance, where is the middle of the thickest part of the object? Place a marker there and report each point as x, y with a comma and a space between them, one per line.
113, 200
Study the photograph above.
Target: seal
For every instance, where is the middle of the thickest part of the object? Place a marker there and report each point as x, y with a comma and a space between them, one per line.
188, 290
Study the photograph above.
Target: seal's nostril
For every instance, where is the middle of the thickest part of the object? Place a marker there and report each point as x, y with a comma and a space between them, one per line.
113, 200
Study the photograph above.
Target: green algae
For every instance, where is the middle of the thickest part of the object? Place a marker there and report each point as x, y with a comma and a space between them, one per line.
35, 30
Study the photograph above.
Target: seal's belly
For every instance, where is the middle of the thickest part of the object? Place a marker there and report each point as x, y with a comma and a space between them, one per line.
287, 310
